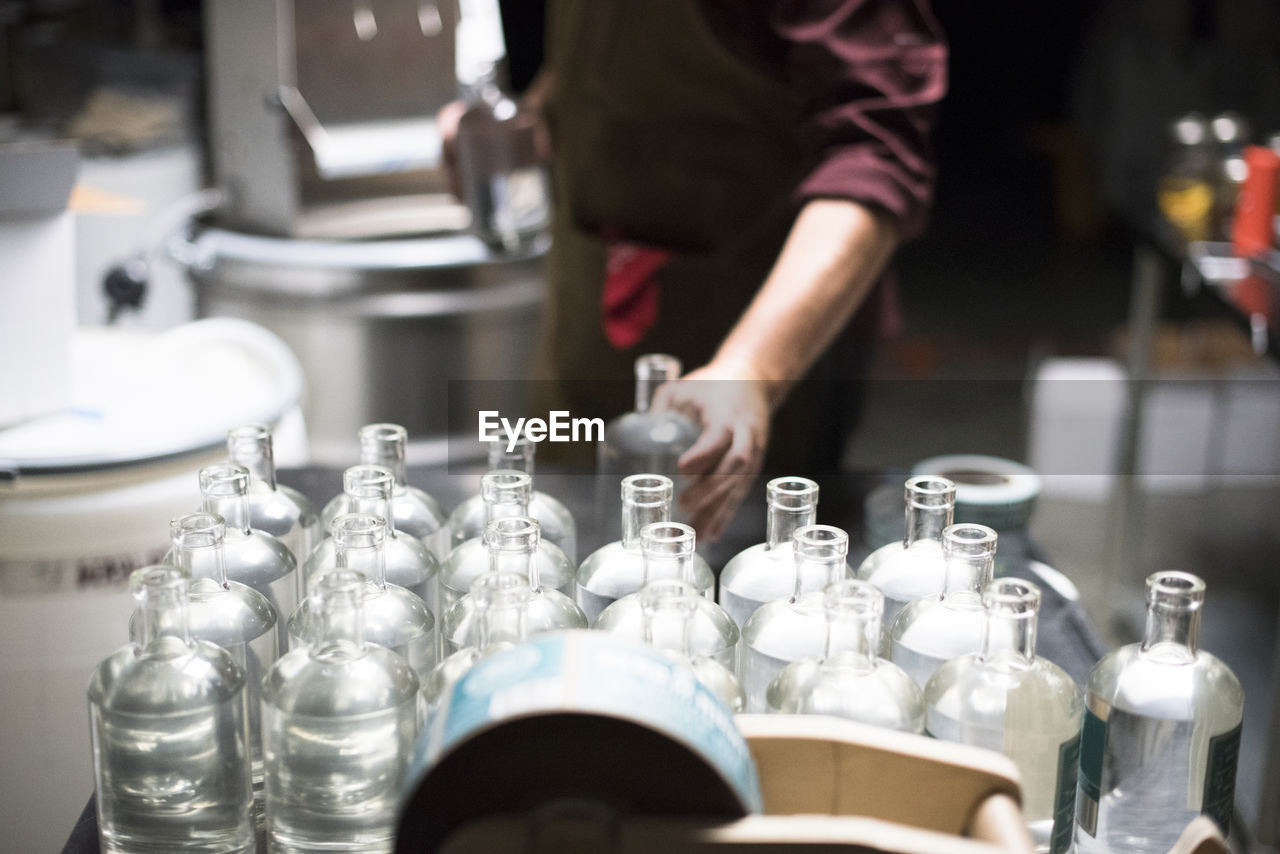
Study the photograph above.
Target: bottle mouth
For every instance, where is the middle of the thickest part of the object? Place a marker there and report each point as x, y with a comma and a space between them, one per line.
970, 539
512, 534
669, 539
1173, 590
224, 479
158, 579
383, 433
368, 481
505, 485
852, 597
499, 590
657, 366
928, 491
1012, 597
248, 436
198, 530
820, 542
354, 530
792, 493
647, 490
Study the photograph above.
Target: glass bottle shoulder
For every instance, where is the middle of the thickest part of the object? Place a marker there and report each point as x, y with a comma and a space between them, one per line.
279, 511
843, 686
720, 681
408, 562
228, 615
905, 574
470, 559
257, 559
993, 694
1168, 683
168, 677
342, 680
760, 572
714, 631
549, 610
783, 627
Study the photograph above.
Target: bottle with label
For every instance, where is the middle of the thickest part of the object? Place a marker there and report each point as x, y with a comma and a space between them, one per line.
368, 489
505, 493
558, 525
393, 616
793, 628
251, 557
1008, 699
338, 723
668, 553
169, 731
502, 173
913, 568
617, 569
935, 629
276, 509
766, 571
512, 544
668, 607
1161, 732
850, 680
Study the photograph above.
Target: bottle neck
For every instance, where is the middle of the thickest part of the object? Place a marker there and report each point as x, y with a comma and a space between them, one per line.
636, 516
651, 372
819, 552
369, 489
667, 611
513, 548
339, 607
253, 448
854, 611
198, 546
519, 458
930, 509
1174, 600
161, 594
384, 445
782, 522
969, 556
1012, 615
359, 544
233, 507
501, 602
814, 574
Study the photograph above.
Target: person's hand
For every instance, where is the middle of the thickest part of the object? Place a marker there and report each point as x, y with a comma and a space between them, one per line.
733, 408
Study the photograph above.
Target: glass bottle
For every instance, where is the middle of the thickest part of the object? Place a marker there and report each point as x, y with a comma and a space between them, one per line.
558, 525
276, 509
668, 553
766, 571
393, 616
408, 563
1185, 191
338, 722
793, 628
850, 680
251, 557
668, 607
913, 568
512, 544
617, 569
506, 494
1006, 698
170, 735
1161, 732
935, 629
644, 440
503, 177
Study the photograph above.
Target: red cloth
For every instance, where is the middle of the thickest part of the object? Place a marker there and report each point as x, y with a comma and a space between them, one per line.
629, 306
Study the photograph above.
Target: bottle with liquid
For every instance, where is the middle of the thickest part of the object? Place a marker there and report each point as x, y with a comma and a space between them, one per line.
645, 440
506, 494
558, 525
338, 723
935, 629
617, 569
502, 173
169, 732
766, 571
1161, 732
1008, 699
850, 680
276, 509
368, 489
793, 628
668, 550
512, 544
251, 557
911, 569
668, 607
393, 617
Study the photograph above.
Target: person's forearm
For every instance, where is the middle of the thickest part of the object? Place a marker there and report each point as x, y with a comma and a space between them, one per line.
833, 256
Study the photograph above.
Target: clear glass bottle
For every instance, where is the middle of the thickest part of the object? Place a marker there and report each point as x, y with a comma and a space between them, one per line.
170, 735
668, 549
766, 571
558, 525
503, 177
251, 557
512, 544
276, 509
338, 723
1161, 732
393, 616
795, 627
506, 494
617, 569
908, 570
408, 563
1008, 699
935, 629
668, 607
645, 440
850, 680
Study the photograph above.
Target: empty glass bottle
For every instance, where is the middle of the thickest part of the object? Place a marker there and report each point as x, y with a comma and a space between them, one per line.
645, 440
766, 571
913, 568
249, 556
338, 722
408, 563
274, 508
506, 494
935, 629
1161, 732
668, 607
393, 616
617, 569
170, 735
512, 544
795, 627
850, 680
1008, 699
558, 525
668, 553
